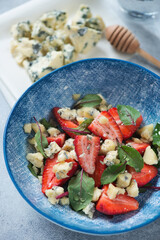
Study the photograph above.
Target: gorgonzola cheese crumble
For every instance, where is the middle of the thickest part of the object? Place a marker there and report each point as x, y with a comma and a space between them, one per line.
34, 43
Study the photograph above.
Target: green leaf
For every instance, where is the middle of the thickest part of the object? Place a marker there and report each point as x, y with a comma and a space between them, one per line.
41, 143
156, 135
30, 167
80, 191
111, 173
128, 114
143, 189
45, 123
89, 100
132, 156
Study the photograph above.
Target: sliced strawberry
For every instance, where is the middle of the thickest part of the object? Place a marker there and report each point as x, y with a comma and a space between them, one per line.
64, 123
87, 148
143, 177
49, 178
98, 170
108, 130
121, 204
60, 139
127, 130
140, 147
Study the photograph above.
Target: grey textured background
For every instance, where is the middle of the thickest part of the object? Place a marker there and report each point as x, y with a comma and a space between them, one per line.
17, 219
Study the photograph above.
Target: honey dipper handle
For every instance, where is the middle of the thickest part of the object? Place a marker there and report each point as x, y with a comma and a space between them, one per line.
147, 56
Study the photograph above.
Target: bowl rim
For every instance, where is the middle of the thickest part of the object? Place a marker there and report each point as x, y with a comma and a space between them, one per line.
55, 221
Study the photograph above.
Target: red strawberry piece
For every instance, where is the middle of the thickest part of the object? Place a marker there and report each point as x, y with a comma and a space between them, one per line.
121, 204
108, 130
98, 170
140, 147
87, 148
49, 178
60, 139
143, 177
64, 122
127, 130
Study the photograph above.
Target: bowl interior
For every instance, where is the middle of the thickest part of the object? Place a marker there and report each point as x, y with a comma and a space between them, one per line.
119, 82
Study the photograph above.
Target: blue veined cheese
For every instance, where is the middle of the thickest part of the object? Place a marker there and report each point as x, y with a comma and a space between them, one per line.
52, 149
83, 39
123, 180
53, 193
52, 43
81, 15
36, 159
111, 158
89, 209
40, 31
62, 169
133, 189
43, 65
87, 112
21, 29
69, 145
67, 113
95, 23
69, 53
62, 34
113, 191
25, 48
55, 19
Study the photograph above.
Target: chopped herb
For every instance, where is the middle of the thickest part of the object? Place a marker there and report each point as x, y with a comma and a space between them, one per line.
30, 167
111, 173
89, 100
45, 123
132, 156
156, 135
128, 114
80, 188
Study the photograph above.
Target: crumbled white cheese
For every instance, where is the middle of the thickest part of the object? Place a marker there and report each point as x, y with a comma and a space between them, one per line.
83, 39
111, 158
53, 193
53, 132
21, 29
52, 149
87, 112
67, 113
61, 169
64, 201
69, 144
146, 132
55, 19
113, 191
25, 48
133, 189
27, 128
81, 15
136, 140
36, 159
107, 146
89, 210
73, 155
63, 155
150, 156
36, 128
69, 53
123, 180
40, 31
43, 65
96, 194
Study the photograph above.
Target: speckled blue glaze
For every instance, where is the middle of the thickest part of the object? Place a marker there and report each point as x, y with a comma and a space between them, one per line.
119, 82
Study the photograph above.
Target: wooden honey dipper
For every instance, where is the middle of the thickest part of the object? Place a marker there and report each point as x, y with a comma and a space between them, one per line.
124, 41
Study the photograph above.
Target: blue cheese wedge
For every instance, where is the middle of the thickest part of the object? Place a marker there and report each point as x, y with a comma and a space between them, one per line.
43, 65
40, 31
25, 48
55, 19
81, 15
21, 29
69, 53
83, 39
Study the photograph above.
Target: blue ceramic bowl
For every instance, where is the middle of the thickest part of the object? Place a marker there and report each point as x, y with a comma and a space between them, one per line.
119, 82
